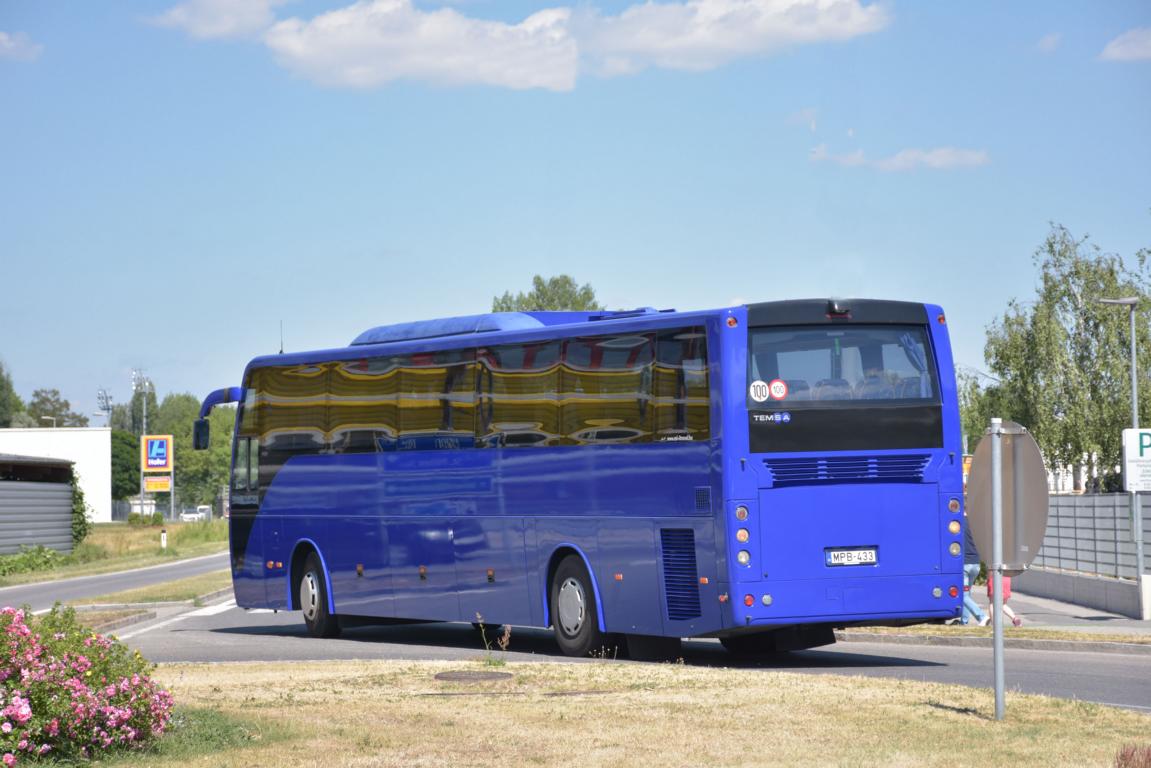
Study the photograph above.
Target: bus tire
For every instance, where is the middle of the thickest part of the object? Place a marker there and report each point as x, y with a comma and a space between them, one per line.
313, 592
573, 609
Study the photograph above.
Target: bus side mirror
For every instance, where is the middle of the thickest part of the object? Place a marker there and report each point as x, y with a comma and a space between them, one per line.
200, 433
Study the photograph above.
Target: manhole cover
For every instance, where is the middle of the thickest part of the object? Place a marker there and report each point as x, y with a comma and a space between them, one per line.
465, 676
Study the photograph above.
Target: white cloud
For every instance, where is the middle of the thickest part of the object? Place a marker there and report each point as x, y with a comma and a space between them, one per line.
18, 47
1132, 45
374, 42
220, 19
705, 34
1048, 43
942, 158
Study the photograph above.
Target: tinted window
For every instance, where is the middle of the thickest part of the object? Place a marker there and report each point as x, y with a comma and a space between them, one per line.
519, 403
843, 363
364, 411
437, 400
680, 393
606, 389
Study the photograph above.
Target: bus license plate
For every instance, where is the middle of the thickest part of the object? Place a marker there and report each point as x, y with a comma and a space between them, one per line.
867, 556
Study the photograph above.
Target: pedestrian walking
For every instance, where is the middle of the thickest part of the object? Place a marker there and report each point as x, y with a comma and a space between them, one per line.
1006, 596
971, 609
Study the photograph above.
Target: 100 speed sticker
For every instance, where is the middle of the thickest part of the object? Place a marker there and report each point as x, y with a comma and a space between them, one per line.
762, 391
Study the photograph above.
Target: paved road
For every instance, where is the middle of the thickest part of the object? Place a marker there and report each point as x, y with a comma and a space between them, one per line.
41, 596
225, 633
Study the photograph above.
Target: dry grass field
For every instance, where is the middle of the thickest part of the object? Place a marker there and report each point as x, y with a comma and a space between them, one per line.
178, 589
395, 713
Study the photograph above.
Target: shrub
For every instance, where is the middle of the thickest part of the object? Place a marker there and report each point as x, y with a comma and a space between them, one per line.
80, 523
69, 693
37, 558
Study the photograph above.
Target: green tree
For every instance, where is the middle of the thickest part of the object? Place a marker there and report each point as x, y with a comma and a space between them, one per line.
125, 464
555, 293
199, 474
47, 403
1063, 359
10, 402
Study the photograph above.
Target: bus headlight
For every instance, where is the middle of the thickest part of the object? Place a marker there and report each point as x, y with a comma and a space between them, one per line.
744, 557
742, 535
955, 549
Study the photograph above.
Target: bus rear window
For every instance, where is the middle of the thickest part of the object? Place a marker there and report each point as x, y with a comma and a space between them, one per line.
835, 364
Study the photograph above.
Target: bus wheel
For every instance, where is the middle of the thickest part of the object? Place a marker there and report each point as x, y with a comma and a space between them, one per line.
573, 609
314, 600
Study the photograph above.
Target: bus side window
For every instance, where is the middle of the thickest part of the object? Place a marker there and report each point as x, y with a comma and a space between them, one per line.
362, 404
518, 401
681, 388
606, 385
437, 401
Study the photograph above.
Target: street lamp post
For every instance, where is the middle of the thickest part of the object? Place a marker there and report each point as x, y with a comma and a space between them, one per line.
1132, 303
141, 384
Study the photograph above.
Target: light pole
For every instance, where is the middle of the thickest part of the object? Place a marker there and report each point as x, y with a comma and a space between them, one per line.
141, 384
1132, 303
49, 418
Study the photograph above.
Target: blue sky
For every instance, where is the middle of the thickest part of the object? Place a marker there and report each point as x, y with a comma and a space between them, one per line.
176, 179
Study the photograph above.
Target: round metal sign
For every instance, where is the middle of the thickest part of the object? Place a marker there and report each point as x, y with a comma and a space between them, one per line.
1025, 501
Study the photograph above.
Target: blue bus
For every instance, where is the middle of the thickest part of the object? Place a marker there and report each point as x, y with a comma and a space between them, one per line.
760, 474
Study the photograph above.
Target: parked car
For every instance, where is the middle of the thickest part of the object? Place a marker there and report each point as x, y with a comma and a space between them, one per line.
202, 512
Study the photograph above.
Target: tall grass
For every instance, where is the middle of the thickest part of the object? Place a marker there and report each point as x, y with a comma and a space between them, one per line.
108, 543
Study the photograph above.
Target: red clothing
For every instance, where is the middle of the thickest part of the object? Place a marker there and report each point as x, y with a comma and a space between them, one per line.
991, 587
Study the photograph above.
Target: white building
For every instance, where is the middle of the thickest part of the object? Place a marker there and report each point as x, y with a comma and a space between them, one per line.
89, 448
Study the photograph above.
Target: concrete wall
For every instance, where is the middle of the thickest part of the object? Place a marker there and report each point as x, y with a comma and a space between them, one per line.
1121, 596
35, 513
90, 448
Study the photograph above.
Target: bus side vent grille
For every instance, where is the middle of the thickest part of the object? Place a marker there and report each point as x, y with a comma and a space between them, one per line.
680, 579
703, 499
905, 468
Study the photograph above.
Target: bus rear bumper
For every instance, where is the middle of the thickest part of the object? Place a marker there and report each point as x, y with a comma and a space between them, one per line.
845, 601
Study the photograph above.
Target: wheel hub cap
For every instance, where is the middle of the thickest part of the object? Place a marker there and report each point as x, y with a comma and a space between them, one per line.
571, 606
309, 596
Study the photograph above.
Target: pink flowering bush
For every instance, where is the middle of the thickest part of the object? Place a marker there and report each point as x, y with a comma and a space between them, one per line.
67, 692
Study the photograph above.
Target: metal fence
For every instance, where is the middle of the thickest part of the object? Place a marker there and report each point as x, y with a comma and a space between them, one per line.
34, 513
1092, 534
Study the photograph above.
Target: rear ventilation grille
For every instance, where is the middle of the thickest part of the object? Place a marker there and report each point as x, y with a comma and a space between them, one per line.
680, 578
907, 468
703, 499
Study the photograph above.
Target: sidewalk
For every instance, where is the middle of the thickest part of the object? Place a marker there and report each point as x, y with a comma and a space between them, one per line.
1045, 613
1037, 613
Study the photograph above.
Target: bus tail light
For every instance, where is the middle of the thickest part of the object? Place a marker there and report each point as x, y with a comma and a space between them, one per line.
744, 557
955, 549
741, 513
749, 600
953, 527
953, 506
953, 591
742, 535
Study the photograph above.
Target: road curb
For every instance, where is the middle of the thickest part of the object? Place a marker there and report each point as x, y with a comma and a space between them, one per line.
145, 613
1081, 646
127, 621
